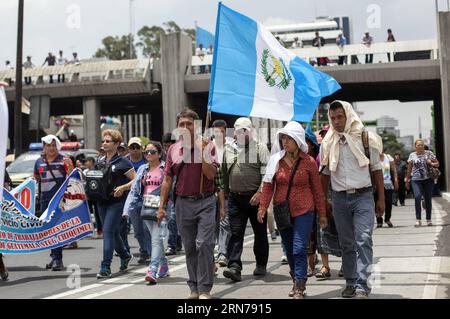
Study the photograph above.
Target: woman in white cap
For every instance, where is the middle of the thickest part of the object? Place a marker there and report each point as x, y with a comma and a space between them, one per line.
290, 164
50, 171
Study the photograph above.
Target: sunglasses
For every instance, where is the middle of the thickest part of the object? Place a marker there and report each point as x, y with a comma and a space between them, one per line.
134, 147
107, 141
151, 152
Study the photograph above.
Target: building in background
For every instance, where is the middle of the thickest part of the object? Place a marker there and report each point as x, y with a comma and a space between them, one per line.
328, 27
388, 124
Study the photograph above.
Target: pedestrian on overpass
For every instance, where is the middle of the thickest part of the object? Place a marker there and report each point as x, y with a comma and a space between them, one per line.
419, 164
349, 164
292, 177
193, 161
50, 171
244, 167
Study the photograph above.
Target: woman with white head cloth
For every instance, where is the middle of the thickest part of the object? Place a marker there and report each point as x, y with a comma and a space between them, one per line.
304, 197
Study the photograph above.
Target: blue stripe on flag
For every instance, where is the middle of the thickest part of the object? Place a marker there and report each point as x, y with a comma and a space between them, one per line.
234, 65
310, 86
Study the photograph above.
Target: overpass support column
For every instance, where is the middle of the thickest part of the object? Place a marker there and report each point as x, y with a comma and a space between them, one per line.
91, 113
444, 53
176, 56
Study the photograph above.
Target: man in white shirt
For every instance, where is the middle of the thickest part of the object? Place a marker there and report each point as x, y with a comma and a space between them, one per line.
345, 163
61, 60
201, 52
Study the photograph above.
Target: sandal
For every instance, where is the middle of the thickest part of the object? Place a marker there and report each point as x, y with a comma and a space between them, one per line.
324, 273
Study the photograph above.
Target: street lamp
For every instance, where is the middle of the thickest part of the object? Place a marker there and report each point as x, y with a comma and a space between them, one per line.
18, 100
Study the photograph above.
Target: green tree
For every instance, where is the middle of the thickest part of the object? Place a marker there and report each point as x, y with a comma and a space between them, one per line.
150, 39
391, 146
117, 48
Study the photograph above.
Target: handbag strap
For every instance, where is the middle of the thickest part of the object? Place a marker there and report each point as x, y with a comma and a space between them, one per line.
292, 178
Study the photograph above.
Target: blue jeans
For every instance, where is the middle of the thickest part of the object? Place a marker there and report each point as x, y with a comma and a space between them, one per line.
141, 234
159, 236
354, 219
423, 188
123, 231
55, 253
173, 228
295, 241
111, 216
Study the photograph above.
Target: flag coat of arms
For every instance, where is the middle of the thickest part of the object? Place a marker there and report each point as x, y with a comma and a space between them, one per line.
254, 75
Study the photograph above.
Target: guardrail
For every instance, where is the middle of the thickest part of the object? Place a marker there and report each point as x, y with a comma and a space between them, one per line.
331, 51
85, 71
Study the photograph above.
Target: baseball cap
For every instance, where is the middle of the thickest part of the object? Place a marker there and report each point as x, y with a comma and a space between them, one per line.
122, 145
135, 140
243, 123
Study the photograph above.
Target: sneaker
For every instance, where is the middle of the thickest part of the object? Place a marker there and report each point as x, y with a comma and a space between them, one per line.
150, 276
124, 262
429, 223
418, 223
284, 260
105, 272
348, 292
361, 294
3, 270
49, 265
171, 252
193, 295
204, 295
379, 225
163, 271
389, 224
143, 259
260, 271
222, 261
273, 236
57, 265
232, 274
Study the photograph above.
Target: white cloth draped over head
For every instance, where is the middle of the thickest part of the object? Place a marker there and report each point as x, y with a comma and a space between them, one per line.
354, 127
294, 130
48, 140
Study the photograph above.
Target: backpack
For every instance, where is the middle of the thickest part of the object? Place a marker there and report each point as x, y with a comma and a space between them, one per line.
99, 181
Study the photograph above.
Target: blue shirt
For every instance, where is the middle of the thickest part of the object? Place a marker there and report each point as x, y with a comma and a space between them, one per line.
136, 165
341, 41
49, 185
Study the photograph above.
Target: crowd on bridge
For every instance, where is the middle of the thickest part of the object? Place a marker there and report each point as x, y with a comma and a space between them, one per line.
196, 193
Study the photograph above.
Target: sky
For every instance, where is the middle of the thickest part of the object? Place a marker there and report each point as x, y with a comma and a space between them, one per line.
80, 25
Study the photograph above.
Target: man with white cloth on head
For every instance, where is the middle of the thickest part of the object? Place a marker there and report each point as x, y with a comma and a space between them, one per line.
344, 162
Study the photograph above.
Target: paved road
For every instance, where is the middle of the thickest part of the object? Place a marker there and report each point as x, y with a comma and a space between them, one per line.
410, 263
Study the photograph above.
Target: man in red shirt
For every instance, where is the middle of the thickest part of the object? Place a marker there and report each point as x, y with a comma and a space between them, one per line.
192, 161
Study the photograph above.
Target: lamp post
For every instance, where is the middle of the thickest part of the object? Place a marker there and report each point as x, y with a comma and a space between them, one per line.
18, 100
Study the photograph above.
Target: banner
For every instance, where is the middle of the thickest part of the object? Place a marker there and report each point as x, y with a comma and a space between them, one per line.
25, 193
3, 134
203, 37
66, 219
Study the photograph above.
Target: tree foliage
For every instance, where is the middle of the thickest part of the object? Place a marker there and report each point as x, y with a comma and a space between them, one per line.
117, 48
391, 146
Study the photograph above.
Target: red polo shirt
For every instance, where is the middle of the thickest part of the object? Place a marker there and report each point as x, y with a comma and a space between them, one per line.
188, 183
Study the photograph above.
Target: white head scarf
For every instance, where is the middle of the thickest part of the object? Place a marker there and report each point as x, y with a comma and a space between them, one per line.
48, 140
354, 127
294, 130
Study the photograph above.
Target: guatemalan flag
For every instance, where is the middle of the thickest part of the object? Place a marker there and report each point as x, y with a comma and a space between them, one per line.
254, 75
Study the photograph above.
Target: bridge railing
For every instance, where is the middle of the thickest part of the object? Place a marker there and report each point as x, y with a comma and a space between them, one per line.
201, 65
85, 71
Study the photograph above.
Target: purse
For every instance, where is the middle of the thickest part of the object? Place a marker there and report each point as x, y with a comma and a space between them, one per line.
281, 211
433, 172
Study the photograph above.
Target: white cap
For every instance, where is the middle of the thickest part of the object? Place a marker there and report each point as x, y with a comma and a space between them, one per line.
243, 123
135, 140
48, 140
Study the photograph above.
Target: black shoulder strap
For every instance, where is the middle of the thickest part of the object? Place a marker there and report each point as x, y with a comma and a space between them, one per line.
292, 178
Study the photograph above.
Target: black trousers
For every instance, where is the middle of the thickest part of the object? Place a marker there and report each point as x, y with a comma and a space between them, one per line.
239, 212
387, 205
401, 193
369, 58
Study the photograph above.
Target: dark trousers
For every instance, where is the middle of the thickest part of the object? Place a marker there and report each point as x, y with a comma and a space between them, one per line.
400, 194
124, 231
369, 58
93, 208
342, 59
61, 76
239, 211
28, 80
423, 188
387, 206
56, 253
